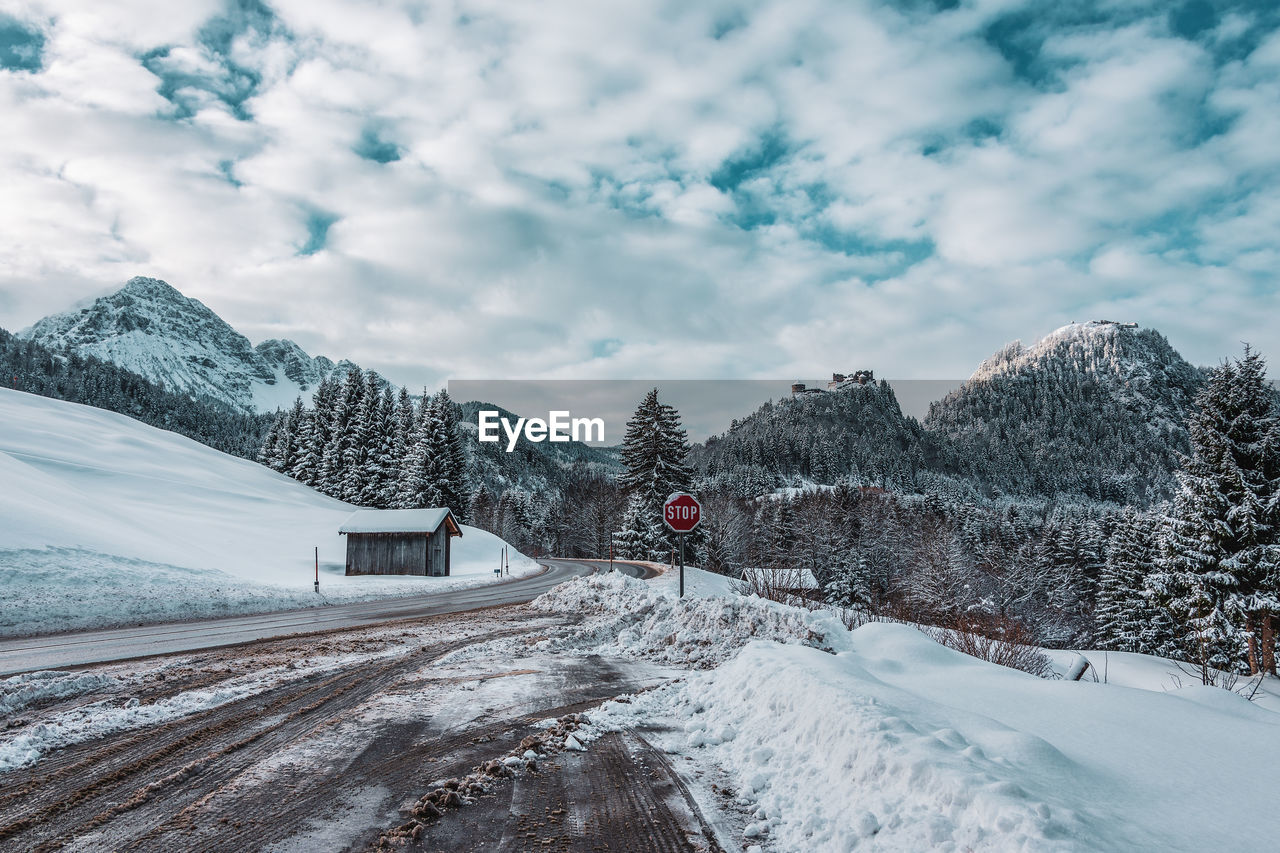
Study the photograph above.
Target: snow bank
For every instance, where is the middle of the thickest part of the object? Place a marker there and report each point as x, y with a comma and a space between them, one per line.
107, 521
22, 691
904, 745
633, 617
98, 719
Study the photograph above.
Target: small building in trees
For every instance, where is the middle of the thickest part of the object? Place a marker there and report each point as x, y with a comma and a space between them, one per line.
399, 541
781, 584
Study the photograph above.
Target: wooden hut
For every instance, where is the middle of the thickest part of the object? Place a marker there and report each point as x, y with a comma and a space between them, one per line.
399, 541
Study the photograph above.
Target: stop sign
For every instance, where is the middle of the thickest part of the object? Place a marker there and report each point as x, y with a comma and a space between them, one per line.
682, 512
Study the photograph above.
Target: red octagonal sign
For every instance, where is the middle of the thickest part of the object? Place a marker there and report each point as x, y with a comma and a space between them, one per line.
682, 512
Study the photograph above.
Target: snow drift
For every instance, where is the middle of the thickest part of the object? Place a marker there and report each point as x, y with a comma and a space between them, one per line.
900, 744
106, 521
896, 743
629, 616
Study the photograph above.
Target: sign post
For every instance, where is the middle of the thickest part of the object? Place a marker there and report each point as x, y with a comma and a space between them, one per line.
317, 568
681, 513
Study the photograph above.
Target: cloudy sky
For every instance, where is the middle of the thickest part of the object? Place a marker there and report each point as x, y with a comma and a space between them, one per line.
482, 189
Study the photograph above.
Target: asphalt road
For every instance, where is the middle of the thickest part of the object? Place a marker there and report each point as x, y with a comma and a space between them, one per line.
60, 651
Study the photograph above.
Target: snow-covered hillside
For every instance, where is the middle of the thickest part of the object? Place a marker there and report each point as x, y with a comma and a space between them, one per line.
150, 328
1096, 410
104, 520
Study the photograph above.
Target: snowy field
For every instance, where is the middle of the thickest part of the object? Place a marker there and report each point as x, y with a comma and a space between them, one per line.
881, 739
106, 521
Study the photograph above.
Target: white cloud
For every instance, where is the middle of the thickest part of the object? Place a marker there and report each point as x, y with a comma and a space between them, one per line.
824, 182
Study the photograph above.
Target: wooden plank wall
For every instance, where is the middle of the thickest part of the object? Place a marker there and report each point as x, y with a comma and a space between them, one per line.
386, 554
437, 553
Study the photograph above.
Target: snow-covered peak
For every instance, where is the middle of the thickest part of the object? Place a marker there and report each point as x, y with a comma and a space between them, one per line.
1112, 341
142, 287
1135, 367
150, 328
1101, 350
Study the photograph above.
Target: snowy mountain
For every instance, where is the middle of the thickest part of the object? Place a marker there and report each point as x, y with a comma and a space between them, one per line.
1093, 409
150, 328
1139, 365
36, 369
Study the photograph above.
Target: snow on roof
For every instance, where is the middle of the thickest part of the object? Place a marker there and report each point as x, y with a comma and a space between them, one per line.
398, 521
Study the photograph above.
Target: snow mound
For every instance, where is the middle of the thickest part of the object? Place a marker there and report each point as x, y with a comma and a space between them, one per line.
629, 616
904, 745
825, 764
22, 691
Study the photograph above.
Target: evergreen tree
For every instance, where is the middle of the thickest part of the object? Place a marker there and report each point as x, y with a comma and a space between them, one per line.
1222, 541
400, 432
850, 583
454, 490
381, 466
482, 508
654, 453
267, 455
1127, 619
515, 517
783, 535
360, 477
324, 401
287, 444
341, 436
636, 539
306, 461
424, 472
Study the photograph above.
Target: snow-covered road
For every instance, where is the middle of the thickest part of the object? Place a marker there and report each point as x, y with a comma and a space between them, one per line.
77, 649
324, 742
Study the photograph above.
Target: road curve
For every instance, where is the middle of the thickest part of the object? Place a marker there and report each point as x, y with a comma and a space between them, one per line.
61, 651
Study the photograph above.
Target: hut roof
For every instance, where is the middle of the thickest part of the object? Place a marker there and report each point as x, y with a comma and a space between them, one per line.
400, 521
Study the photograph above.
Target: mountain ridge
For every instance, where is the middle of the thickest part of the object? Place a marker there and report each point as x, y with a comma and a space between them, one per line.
1094, 411
150, 328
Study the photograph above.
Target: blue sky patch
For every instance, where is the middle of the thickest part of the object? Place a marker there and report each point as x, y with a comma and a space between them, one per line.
1193, 18
907, 253
21, 45
233, 84
227, 168
318, 223
372, 146
770, 150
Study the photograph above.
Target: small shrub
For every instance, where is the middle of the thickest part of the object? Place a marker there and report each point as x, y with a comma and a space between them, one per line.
995, 639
